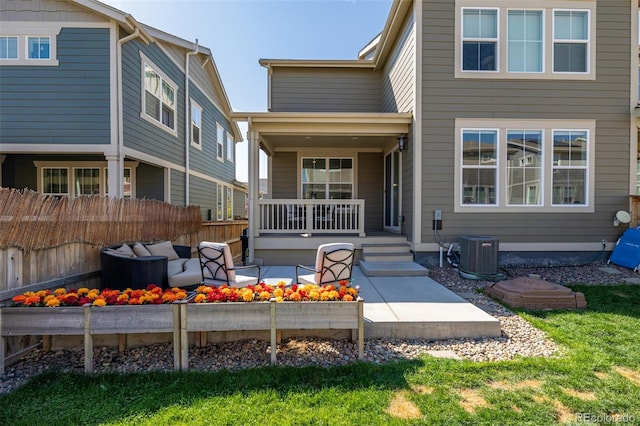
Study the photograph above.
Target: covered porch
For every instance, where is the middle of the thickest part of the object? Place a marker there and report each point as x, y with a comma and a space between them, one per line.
329, 175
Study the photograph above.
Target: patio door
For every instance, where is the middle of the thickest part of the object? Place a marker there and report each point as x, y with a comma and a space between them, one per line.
392, 191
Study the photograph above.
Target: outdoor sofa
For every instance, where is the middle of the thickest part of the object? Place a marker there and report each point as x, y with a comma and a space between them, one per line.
138, 265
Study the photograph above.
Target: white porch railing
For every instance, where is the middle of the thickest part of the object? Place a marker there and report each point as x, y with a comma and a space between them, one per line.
312, 216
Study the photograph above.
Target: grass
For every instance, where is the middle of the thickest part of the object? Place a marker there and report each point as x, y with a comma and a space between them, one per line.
597, 377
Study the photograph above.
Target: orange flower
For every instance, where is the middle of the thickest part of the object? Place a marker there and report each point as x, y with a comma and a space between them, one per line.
99, 302
200, 298
265, 295
247, 295
52, 302
59, 291
347, 298
169, 297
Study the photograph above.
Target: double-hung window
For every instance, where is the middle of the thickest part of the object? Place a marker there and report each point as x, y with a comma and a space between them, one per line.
230, 149
545, 39
479, 39
327, 178
570, 41
229, 203
9, 47
219, 142
524, 165
55, 181
159, 98
196, 125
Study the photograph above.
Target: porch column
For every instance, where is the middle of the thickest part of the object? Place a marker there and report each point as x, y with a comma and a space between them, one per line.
115, 172
254, 188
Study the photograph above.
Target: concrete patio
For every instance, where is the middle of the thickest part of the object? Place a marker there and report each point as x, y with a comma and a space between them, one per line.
411, 308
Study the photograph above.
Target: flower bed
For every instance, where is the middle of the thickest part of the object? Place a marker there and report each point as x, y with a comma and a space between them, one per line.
261, 307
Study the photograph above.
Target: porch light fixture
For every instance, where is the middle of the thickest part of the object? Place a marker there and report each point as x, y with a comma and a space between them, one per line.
402, 143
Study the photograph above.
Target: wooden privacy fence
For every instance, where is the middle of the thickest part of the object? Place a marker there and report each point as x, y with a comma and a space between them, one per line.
50, 242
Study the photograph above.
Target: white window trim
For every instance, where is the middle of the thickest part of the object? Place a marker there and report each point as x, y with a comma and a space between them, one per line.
493, 40
23, 46
548, 7
589, 41
174, 86
547, 127
194, 104
219, 142
229, 204
544, 42
219, 202
309, 155
9, 60
230, 150
26, 47
71, 166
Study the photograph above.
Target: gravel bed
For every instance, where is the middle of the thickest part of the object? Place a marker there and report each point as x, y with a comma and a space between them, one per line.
519, 338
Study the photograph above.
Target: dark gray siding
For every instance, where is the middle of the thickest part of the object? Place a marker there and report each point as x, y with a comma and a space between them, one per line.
606, 100
325, 90
370, 184
149, 182
202, 193
284, 175
176, 186
204, 161
139, 133
67, 104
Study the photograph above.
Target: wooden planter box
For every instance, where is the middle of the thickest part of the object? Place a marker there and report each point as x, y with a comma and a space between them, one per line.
88, 321
180, 318
273, 316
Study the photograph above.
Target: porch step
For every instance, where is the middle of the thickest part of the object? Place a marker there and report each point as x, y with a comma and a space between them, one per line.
388, 257
392, 269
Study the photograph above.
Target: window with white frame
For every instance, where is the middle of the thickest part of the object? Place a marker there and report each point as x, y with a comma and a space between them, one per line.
570, 41
229, 206
86, 180
8, 47
219, 142
327, 178
230, 149
38, 48
159, 97
479, 39
55, 181
514, 41
196, 125
515, 165
524, 41
219, 202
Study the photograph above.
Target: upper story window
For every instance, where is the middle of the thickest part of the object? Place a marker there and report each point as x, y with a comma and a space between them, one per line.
38, 48
570, 40
479, 39
196, 125
8, 47
159, 98
494, 40
230, 149
219, 142
524, 165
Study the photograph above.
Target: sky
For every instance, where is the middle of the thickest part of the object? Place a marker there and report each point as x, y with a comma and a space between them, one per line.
240, 32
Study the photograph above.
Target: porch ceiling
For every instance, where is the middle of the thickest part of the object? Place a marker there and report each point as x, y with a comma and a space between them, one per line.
281, 131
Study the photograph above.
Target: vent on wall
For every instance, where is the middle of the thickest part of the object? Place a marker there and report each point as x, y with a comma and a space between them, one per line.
479, 255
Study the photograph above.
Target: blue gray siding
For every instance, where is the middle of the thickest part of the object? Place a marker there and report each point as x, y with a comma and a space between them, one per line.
67, 104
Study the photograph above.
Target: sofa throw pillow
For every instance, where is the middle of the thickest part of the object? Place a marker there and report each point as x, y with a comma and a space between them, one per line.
114, 252
126, 250
164, 248
140, 250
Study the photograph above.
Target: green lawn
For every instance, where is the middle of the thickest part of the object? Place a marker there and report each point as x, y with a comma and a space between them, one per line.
597, 377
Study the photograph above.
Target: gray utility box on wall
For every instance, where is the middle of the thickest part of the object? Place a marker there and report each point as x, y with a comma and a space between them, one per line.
479, 255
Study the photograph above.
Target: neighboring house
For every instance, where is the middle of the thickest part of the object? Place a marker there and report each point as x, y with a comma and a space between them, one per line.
511, 120
94, 102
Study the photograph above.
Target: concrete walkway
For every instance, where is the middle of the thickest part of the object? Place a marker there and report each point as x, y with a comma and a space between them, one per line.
411, 307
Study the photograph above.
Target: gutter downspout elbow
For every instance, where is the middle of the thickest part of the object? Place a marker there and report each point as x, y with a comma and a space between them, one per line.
187, 123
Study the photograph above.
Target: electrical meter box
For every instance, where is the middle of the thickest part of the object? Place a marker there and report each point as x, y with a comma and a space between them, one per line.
479, 255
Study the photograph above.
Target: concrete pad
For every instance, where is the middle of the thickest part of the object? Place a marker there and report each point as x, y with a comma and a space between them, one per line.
413, 289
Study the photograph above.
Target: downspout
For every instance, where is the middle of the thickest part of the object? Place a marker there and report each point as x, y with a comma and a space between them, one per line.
120, 147
187, 124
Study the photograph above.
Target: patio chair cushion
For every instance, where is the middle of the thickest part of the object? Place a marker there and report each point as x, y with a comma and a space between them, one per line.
189, 273
164, 248
211, 250
338, 269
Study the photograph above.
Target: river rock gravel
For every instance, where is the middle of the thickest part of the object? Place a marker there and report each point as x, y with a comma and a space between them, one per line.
519, 338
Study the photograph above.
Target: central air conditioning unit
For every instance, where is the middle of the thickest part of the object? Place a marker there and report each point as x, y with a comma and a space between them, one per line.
478, 255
